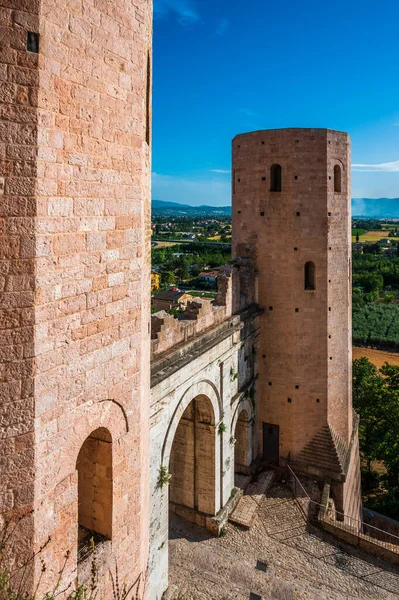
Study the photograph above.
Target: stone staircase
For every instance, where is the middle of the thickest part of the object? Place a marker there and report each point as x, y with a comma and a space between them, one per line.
325, 451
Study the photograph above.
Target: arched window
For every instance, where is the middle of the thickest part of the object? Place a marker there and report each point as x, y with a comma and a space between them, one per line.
275, 178
337, 178
310, 276
94, 466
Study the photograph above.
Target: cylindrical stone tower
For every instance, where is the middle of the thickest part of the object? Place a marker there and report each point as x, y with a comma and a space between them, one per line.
291, 213
74, 288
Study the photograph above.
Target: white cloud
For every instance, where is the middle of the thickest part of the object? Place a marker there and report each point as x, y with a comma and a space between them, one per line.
215, 192
185, 10
222, 27
222, 171
391, 167
247, 112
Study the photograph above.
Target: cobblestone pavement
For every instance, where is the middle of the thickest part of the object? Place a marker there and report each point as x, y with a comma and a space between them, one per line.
281, 557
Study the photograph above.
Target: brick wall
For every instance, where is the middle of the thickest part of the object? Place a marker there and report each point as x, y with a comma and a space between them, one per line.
304, 373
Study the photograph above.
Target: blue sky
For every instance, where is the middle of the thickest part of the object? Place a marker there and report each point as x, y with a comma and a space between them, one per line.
223, 67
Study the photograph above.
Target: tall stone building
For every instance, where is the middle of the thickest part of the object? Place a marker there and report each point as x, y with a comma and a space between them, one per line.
74, 280
291, 214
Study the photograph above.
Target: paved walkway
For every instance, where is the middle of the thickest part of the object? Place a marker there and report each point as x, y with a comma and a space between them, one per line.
281, 557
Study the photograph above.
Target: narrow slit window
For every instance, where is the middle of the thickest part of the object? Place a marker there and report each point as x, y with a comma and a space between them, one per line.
337, 179
275, 178
310, 276
148, 102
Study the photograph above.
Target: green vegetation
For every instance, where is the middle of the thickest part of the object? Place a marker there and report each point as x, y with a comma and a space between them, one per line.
375, 298
358, 232
184, 262
377, 324
376, 400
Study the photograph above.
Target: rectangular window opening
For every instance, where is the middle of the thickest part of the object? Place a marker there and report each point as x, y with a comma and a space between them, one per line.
32, 42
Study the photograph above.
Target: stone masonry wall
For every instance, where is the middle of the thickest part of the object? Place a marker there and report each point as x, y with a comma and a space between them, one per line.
75, 143
19, 76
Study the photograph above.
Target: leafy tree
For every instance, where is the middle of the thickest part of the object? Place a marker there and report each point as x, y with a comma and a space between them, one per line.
376, 399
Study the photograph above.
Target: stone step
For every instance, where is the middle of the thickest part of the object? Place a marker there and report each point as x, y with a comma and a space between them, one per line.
246, 510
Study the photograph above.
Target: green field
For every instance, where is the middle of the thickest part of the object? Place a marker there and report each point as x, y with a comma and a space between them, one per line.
358, 231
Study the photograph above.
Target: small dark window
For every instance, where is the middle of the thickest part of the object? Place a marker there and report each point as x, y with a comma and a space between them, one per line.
329, 214
262, 143
234, 181
329, 281
329, 247
262, 214
270, 383
337, 179
297, 310
329, 337
289, 400
310, 276
275, 178
318, 400
295, 176
238, 146
270, 307
263, 355
239, 212
330, 178
329, 308
297, 141
32, 42
261, 566
238, 180
295, 249
330, 357
297, 387
298, 214
263, 178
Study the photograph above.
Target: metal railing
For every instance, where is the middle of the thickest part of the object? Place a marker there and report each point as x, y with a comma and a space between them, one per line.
352, 525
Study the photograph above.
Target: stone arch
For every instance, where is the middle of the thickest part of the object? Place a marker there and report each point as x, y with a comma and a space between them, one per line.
88, 418
242, 431
192, 463
94, 465
201, 388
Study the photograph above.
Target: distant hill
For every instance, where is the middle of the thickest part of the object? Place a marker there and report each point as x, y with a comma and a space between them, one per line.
378, 208
159, 207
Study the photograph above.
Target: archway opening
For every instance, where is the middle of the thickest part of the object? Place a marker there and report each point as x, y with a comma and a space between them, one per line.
192, 461
242, 447
94, 466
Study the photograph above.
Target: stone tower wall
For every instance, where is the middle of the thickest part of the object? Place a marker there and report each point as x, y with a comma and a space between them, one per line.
305, 375
75, 221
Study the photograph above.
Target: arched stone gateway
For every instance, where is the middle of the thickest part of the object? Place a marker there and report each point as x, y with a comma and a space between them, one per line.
194, 412
192, 460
